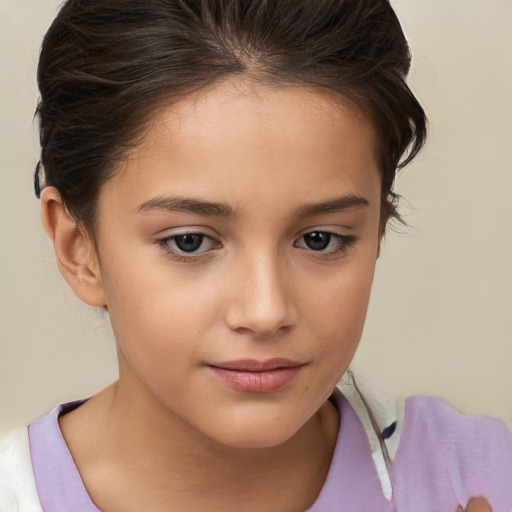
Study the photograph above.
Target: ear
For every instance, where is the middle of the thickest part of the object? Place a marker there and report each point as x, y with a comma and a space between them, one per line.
74, 250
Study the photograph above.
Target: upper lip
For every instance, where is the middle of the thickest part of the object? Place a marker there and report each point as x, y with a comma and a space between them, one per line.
253, 365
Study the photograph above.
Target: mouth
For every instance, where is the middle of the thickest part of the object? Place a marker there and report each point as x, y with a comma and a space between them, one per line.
253, 376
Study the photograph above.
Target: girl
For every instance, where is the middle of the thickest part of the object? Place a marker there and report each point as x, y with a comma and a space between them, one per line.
218, 176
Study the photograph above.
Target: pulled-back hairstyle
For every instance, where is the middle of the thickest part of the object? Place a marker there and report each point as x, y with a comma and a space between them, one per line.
107, 66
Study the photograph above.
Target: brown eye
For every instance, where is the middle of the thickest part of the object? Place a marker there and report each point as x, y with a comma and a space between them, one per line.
190, 242
193, 244
317, 240
326, 243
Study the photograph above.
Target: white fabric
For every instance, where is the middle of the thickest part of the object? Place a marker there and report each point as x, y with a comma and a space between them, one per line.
386, 410
17, 485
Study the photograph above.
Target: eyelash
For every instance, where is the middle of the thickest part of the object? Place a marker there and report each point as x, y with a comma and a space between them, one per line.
184, 256
343, 244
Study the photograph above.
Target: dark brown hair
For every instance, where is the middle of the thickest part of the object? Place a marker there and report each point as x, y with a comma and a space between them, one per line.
105, 67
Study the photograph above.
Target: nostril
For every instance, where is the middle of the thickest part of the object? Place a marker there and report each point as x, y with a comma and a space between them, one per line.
258, 323
261, 304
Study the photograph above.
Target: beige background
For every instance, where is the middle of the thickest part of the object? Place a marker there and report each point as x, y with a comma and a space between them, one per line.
440, 319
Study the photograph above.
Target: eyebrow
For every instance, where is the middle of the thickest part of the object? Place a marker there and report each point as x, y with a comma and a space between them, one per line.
201, 207
187, 204
336, 204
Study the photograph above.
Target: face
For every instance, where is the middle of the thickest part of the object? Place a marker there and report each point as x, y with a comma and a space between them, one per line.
237, 248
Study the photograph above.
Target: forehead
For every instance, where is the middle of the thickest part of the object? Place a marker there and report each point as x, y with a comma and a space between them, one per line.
240, 142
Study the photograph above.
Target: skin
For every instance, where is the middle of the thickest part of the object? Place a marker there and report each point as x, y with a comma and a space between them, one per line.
255, 289
476, 505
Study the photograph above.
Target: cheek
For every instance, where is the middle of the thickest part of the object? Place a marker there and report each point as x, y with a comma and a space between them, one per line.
157, 333
155, 313
146, 284
337, 309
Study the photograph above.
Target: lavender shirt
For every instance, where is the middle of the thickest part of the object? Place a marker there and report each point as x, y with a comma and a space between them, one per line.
444, 460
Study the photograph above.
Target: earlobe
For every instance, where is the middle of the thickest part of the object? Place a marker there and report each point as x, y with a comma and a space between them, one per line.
74, 250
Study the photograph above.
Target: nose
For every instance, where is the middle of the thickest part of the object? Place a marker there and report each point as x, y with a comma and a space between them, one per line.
261, 304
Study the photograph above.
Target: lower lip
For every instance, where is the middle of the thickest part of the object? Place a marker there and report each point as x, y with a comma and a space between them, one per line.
256, 382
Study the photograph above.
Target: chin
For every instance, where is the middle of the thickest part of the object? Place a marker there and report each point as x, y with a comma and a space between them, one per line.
255, 434
255, 440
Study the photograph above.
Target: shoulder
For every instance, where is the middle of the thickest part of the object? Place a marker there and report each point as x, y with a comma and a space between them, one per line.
435, 421
451, 452
17, 485
427, 455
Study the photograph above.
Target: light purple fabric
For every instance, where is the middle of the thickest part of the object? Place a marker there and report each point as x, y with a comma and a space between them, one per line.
443, 460
58, 482
352, 483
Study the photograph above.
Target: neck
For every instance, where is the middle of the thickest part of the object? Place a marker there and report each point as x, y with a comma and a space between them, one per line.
131, 434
